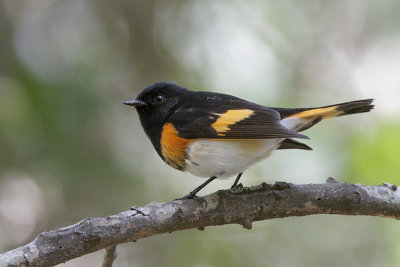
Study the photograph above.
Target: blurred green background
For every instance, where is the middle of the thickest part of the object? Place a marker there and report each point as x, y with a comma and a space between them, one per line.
69, 149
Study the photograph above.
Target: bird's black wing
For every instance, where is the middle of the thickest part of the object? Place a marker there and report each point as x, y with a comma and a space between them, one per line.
229, 119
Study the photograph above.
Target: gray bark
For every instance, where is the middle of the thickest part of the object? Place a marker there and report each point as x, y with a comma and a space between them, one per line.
240, 206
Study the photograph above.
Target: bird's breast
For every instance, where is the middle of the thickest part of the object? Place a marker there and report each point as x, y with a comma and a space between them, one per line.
224, 158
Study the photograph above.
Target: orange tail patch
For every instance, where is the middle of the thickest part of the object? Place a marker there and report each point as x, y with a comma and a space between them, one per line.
324, 113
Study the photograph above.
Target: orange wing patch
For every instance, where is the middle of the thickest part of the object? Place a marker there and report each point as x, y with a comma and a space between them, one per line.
173, 147
221, 125
325, 113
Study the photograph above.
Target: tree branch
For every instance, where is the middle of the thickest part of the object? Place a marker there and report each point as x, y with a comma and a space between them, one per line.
239, 206
109, 256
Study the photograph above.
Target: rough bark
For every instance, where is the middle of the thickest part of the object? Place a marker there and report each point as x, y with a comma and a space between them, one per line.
240, 206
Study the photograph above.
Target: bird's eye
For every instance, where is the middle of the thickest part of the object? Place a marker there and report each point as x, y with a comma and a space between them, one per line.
159, 98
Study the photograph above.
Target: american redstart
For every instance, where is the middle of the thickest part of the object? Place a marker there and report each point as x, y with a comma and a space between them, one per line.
217, 135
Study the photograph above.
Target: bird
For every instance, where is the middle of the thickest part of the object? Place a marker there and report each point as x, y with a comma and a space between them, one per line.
216, 135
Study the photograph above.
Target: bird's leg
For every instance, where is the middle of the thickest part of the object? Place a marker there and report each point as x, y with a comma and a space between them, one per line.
237, 180
197, 189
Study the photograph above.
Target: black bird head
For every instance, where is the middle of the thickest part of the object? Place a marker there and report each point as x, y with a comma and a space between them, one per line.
160, 98
154, 104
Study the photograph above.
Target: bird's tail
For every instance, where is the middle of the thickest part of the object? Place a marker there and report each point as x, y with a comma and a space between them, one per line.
304, 118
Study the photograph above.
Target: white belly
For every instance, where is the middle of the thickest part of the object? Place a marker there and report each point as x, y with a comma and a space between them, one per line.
224, 158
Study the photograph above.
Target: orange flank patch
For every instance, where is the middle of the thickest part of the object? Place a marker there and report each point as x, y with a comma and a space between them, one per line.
325, 113
230, 118
173, 147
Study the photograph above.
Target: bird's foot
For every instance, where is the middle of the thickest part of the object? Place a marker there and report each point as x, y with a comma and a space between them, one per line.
191, 196
237, 188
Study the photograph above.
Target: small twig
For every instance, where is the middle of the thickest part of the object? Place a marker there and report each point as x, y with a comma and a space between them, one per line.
109, 256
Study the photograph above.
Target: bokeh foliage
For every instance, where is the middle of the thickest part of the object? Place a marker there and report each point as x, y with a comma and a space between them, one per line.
374, 156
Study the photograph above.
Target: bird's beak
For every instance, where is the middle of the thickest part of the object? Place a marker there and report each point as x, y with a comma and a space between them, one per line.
135, 103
